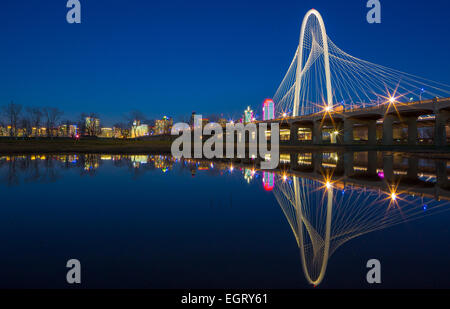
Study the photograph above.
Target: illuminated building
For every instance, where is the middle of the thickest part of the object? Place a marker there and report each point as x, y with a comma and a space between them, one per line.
138, 129
73, 130
268, 109
268, 181
163, 126
107, 132
92, 126
248, 115
248, 174
62, 130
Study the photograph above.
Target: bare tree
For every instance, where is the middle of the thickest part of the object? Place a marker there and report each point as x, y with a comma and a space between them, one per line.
124, 129
35, 116
135, 115
52, 116
91, 128
12, 113
25, 123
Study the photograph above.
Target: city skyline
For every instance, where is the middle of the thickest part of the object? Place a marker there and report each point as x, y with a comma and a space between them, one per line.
48, 62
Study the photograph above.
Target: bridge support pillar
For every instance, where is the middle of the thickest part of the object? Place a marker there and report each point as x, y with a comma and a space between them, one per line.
441, 174
348, 131
294, 161
440, 134
340, 166
372, 162
294, 133
412, 130
317, 162
388, 130
348, 164
372, 132
317, 132
413, 168
339, 137
388, 167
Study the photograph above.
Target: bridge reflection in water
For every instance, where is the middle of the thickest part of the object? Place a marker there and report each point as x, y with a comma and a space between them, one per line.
331, 198
325, 215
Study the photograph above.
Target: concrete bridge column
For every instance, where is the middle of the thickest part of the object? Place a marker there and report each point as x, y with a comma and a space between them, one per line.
340, 166
413, 168
388, 167
372, 163
441, 174
294, 133
372, 132
440, 134
388, 130
339, 136
348, 164
412, 130
294, 161
317, 132
317, 161
348, 131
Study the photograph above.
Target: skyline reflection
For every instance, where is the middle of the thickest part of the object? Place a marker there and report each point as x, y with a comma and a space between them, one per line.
327, 199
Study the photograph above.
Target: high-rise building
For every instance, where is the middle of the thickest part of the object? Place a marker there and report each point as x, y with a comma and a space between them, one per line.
163, 126
248, 115
268, 109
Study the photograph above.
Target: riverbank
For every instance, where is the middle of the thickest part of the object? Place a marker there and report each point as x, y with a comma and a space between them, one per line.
163, 145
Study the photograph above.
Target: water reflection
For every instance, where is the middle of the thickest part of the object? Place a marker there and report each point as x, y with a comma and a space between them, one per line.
327, 198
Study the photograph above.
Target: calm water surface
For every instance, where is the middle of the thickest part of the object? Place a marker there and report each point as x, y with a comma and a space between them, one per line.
154, 222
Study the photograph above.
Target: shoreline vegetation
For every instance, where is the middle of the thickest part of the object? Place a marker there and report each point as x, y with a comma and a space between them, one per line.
163, 144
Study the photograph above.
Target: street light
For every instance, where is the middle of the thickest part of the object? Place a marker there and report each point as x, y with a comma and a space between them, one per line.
420, 95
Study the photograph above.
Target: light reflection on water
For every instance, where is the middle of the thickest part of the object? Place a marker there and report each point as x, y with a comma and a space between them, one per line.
327, 199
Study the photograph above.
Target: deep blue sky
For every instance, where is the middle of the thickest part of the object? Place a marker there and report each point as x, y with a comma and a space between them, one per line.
175, 57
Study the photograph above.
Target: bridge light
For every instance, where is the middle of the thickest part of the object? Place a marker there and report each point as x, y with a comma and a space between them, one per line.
284, 115
393, 196
328, 185
328, 108
392, 100
284, 178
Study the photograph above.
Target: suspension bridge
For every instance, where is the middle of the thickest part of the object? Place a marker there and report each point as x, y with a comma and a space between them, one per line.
328, 92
